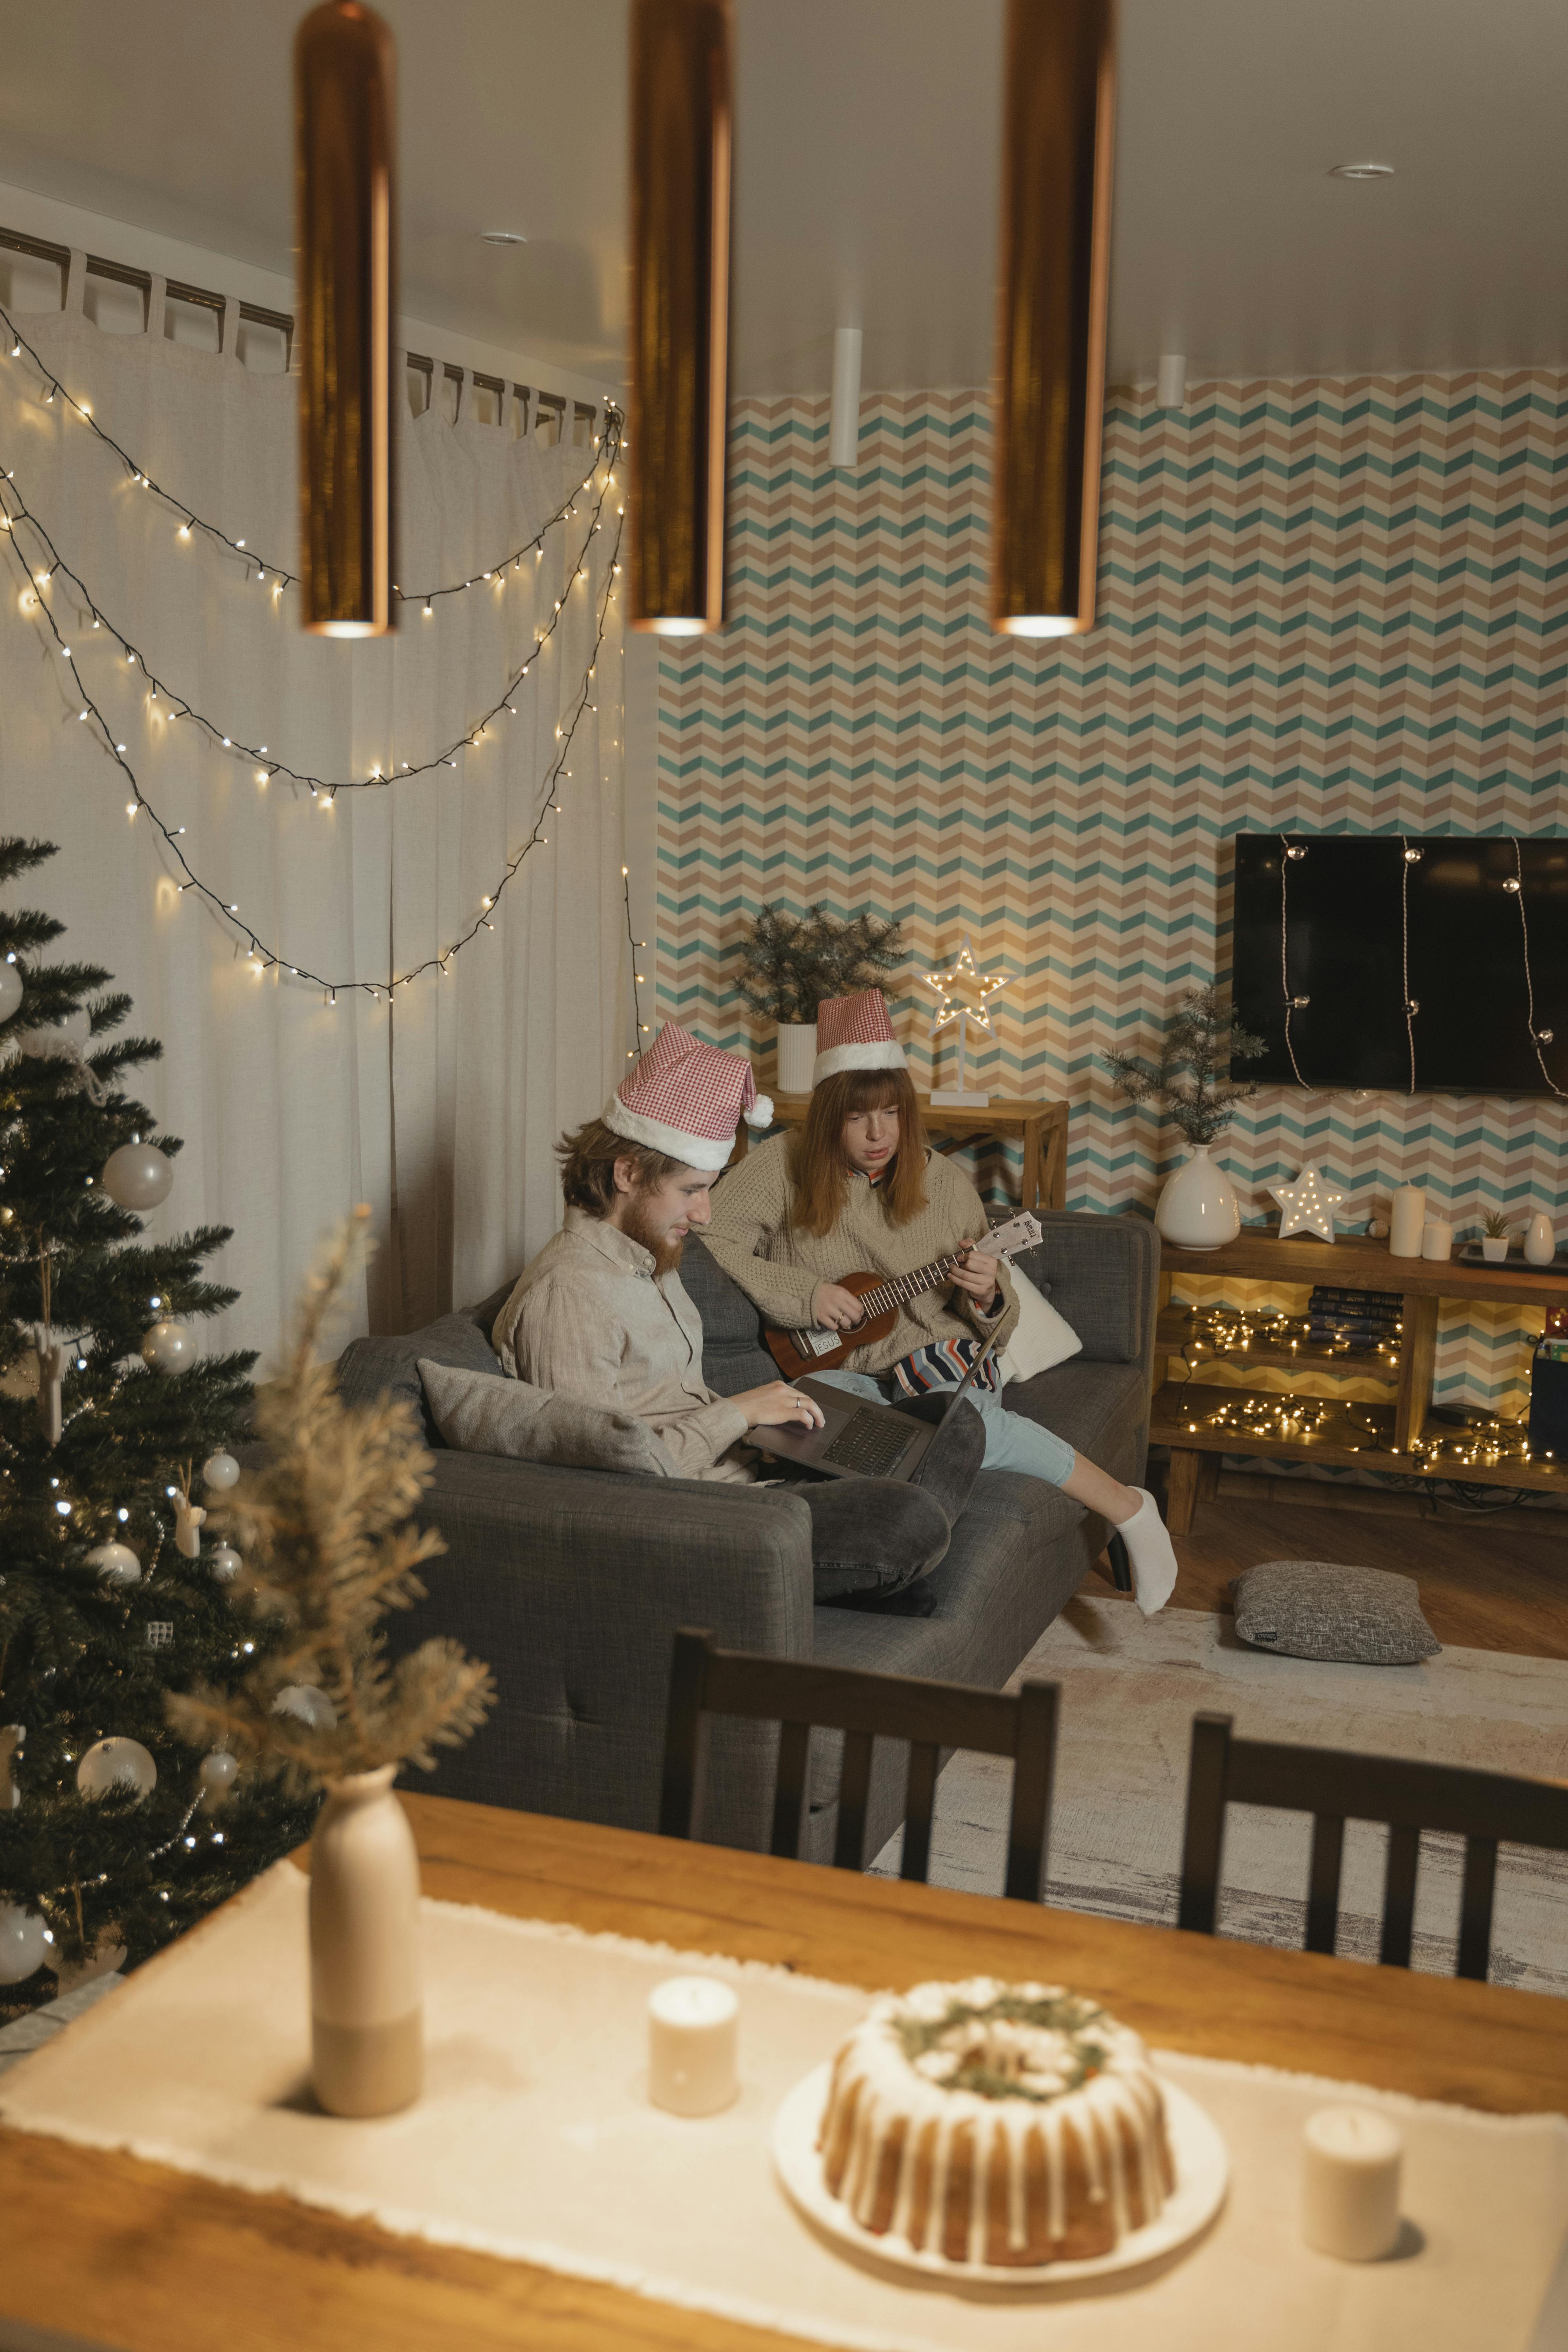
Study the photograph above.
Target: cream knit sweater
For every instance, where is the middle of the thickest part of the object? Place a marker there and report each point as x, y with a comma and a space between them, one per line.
753, 1239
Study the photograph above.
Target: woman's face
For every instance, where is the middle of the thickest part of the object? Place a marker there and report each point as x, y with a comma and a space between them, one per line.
870, 1139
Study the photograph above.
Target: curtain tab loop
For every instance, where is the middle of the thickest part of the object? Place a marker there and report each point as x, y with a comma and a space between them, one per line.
228, 329
157, 289
465, 395
76, 284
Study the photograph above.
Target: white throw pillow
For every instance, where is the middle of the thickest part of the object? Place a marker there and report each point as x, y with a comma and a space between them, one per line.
1043, 1337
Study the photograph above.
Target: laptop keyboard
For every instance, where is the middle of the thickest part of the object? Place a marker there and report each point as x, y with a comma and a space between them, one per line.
871, 1444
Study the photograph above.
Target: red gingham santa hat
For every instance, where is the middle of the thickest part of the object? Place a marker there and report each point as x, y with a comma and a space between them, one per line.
853, 1032
685, 1098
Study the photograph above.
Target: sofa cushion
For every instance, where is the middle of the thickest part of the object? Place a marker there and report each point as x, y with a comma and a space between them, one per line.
1041, 1338
733, 1356
368, 1368
486, 1412
1098, 1409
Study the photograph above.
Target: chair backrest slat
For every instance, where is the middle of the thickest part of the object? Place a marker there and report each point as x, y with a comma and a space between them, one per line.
1324, 1882
789, 1789
1475, 1906
1334, 1785
931, 1717
1399, 1897
854, 1793
920, 1805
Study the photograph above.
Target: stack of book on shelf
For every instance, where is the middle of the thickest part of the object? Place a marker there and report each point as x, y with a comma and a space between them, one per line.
1360, 1320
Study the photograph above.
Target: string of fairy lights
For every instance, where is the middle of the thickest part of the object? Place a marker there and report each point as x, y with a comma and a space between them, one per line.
265, 958
1224, 1334
15, 513
193, 524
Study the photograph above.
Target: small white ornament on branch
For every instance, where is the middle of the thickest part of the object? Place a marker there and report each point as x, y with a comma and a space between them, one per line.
53, 1356
168, 1347
188, 1521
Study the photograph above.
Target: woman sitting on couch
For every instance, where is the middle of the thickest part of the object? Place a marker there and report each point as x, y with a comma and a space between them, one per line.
857, 1188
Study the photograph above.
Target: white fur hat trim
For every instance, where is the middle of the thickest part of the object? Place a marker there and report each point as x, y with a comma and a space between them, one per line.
705, 1151
881, 1054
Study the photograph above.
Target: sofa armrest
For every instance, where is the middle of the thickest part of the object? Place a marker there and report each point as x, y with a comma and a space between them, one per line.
1104, 1277
570, 1585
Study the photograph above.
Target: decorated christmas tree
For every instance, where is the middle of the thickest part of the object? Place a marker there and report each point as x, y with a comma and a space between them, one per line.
114, 1437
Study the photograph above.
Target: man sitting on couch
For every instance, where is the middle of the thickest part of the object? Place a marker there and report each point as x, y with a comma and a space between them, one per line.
601, 1313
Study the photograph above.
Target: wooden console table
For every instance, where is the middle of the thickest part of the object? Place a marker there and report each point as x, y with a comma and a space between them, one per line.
1042, 1125
1353, 1261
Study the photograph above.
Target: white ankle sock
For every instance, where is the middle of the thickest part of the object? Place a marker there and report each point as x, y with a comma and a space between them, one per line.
1150, 1553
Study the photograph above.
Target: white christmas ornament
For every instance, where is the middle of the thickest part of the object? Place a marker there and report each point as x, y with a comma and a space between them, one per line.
308, 1705
1307, 1205
138, 1176
12, 1737
223, 1564
168, 1347
11, 991
54, 1360
116, 1563
117, 1764
219, 1472
217, 1775
188, 1518
24, 1943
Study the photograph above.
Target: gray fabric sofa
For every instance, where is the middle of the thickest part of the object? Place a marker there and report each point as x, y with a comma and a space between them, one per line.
571, 1582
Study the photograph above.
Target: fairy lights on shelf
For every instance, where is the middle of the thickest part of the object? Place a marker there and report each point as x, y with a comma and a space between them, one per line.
267, 958
190, 521
14, 511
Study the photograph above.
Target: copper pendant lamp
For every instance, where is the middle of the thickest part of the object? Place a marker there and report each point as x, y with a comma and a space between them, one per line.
680, 147
1057, 153
343, 142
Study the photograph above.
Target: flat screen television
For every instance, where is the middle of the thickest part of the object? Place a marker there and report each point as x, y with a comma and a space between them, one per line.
1330, 944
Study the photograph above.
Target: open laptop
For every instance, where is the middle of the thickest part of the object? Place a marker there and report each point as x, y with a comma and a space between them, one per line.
858, 1439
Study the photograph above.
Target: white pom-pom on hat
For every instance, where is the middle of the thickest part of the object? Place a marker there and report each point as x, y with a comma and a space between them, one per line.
760, 1113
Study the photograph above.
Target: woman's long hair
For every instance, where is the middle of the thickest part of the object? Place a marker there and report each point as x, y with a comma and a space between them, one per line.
820, 1166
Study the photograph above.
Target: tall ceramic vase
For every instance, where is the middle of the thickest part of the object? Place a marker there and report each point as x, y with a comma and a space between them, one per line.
797, 1053
1198, 1209
366, 2025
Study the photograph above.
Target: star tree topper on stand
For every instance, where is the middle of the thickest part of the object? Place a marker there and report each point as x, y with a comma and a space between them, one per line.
1307, 1205
964, 994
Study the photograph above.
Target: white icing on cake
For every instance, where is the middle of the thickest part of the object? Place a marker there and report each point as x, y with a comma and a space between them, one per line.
1011, 2064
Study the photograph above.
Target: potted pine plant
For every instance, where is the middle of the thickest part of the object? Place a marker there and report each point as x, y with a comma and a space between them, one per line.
1190, 1083
792, 963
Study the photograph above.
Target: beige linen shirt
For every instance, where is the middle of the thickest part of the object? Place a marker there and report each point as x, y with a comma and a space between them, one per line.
590, 1316
755, 1241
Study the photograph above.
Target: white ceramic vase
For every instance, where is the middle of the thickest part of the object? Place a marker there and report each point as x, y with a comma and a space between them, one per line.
1198, 1208
366, 2024
797, 1053
1539, 1240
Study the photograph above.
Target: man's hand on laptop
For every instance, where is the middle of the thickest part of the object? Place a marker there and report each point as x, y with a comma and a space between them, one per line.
834, 1308
778, 1406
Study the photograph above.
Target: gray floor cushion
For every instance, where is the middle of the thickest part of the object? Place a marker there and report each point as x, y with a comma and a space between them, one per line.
1316, 1609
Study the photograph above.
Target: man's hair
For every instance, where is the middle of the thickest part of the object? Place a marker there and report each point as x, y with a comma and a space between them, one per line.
819, 1165
588, 1166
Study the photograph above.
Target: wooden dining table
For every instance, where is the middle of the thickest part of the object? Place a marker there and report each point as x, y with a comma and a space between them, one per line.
101, 2250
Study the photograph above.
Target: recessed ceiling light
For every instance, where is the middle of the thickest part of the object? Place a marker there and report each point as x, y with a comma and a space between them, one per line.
1361, 172
501, 236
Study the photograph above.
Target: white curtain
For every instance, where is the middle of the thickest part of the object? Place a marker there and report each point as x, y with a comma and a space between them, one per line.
441, 1107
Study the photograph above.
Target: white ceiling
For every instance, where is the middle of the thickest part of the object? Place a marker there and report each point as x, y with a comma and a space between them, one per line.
866, 162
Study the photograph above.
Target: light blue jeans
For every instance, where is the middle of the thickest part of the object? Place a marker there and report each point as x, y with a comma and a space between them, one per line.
1011, 1442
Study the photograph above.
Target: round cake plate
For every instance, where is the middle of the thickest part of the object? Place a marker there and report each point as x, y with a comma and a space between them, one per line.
1197, 2152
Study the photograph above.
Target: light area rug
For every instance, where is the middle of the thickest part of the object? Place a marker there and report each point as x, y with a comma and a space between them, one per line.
534, 2140
1129, 1688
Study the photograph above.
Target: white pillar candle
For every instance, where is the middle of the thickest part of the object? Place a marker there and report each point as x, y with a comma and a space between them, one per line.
1437, 1238
1406, 1217
691, 2042
1349, 2183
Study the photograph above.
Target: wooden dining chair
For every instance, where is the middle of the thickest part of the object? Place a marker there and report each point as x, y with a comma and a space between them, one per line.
798, 1695
1335, 1786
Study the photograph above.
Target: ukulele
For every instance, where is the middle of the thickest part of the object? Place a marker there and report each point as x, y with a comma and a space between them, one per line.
882, 1295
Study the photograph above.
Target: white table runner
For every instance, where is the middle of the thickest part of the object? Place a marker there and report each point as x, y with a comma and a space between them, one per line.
534, 2141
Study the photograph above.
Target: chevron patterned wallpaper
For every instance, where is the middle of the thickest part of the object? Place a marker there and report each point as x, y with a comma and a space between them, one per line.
1325, 606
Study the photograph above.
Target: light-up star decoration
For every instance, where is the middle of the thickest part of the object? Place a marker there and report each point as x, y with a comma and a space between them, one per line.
1307, 1205
964, 994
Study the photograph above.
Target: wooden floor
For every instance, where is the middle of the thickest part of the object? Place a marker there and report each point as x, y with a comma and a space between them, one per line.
1482, 1587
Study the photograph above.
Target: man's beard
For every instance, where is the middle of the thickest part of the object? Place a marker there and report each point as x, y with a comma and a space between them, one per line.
636, 1224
